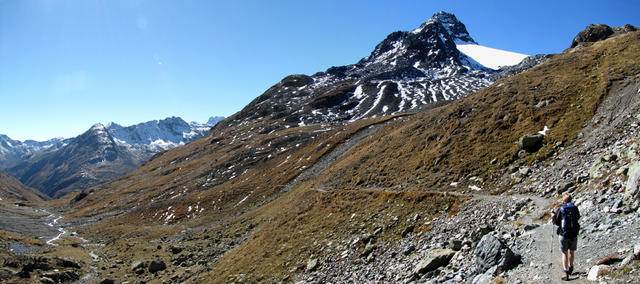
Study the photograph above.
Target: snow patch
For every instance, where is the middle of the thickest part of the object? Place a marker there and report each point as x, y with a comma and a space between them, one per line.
544, 130
491, 57
475, 188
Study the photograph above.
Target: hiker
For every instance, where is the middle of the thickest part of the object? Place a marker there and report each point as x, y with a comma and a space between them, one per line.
566, 218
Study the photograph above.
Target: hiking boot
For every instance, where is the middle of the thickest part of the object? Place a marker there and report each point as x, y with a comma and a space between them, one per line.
570, 271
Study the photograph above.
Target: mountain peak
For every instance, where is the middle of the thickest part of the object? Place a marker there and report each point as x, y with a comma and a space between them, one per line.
456, 29
97, 127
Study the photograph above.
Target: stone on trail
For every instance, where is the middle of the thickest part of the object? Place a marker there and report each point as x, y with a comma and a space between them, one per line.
433, 260
597, 271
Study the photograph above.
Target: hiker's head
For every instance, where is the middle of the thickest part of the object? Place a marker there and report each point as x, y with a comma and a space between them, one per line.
567, 198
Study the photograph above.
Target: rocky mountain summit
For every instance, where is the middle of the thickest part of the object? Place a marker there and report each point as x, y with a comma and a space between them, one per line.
102, 154
405, 71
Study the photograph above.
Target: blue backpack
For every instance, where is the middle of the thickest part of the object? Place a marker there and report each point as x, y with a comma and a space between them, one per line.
569, 226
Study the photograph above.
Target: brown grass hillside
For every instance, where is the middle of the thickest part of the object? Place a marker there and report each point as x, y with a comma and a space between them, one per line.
12, 189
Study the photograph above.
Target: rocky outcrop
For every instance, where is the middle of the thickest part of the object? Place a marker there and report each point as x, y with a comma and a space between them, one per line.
599, 32
592, 33
493, 253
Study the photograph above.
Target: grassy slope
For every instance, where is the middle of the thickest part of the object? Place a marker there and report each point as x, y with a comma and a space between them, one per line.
11, 188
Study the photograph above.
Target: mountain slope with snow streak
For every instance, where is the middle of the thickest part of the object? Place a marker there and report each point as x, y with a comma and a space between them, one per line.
405, 71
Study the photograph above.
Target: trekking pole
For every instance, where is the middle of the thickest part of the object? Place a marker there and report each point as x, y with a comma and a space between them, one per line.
551, 245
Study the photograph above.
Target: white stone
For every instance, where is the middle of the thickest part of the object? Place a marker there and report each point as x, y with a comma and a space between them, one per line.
597, 271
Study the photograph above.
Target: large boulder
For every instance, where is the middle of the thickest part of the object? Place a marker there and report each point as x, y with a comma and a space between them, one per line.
433, 260
491, 252
157, 265
531, 142
592, 33
633, 183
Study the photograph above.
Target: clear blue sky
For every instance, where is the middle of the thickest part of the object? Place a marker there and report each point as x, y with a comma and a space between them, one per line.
65, 65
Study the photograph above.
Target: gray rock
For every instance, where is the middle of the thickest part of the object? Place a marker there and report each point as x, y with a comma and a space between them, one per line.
531, 142
312, 264
433, 260
627, 260
480, 232
484, 278
409, 250
46, 280
407, 230
175, 250
491, 252
597, 271
157, 265
456, 245
138, 265
368, 249
631, 188
592, 33
524, 171
564, 186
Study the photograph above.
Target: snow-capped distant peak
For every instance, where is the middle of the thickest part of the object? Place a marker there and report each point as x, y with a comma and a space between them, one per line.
491, 57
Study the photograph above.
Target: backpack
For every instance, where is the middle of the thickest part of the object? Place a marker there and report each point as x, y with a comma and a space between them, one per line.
569, 226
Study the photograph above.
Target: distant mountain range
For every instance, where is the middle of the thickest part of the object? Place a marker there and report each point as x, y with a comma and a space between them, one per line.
58, 166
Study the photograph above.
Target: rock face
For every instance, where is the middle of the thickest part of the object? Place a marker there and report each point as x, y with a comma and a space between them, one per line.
592, 33
599, 32
492, 252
